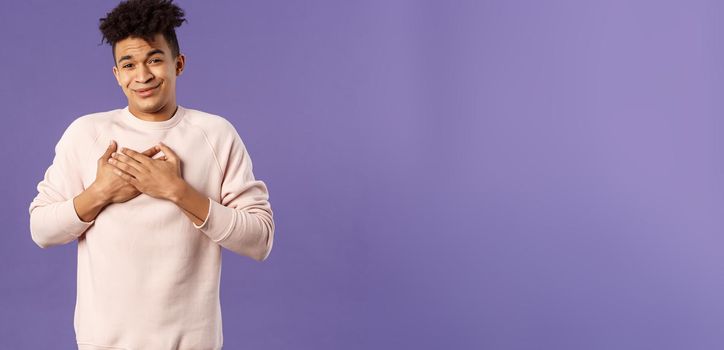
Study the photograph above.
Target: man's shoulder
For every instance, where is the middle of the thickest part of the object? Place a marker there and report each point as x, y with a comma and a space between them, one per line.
210, 123
86, 126
90, 121
84, 130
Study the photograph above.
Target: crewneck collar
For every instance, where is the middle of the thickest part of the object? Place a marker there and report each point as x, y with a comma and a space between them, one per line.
145, 124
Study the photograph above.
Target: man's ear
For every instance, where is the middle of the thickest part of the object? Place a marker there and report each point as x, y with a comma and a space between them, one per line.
115, 73
180, 64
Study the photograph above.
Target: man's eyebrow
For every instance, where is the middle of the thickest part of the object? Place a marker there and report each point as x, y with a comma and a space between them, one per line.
150, 53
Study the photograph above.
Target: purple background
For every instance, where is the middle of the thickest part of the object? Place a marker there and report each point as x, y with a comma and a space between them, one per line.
443, 174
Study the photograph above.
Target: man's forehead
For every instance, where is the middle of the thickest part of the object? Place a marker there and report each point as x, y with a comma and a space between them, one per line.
137, 45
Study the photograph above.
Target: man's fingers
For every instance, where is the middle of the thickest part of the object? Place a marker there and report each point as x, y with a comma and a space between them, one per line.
125, 176
151, 151
170, 154
109, 150
139, 157
130, 167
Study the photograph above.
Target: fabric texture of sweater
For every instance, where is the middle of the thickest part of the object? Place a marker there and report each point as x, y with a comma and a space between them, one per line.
148, 278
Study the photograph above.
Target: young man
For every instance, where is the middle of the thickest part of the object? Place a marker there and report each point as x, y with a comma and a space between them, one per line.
150, 227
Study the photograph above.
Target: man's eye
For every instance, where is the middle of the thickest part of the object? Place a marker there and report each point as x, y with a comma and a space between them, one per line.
128, 65
155, 60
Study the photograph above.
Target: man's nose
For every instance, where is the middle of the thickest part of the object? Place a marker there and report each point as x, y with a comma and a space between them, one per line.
144, 74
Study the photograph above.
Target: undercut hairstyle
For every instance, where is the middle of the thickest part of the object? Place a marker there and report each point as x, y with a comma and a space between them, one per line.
142, 19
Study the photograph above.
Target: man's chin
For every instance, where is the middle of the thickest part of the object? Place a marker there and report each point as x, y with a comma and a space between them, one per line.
148, 107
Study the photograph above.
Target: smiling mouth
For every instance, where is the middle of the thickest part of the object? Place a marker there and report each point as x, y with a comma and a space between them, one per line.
147, 91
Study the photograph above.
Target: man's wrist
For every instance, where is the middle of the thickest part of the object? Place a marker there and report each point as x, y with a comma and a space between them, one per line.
98, 195
89, 203
195, 204
180, 190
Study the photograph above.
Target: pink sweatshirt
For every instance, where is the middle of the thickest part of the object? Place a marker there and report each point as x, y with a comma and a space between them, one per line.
148, 277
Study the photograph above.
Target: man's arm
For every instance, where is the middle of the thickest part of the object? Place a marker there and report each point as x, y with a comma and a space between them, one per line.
53, 216
89, 203
243, 221
194, 204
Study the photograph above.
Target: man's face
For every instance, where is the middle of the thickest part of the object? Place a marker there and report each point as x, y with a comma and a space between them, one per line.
146, 71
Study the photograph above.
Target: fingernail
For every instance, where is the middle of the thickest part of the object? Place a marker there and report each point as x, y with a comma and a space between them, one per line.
110, 143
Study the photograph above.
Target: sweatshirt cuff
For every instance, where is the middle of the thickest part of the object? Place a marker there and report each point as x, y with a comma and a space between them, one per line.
218, 221
69, 221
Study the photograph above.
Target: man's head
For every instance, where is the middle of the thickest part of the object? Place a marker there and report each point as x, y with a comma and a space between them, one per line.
146, 53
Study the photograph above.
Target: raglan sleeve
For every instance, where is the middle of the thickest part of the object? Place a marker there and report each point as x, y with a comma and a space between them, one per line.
243, 220
53, 219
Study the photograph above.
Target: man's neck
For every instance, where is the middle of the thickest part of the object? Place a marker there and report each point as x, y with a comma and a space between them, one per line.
164, 113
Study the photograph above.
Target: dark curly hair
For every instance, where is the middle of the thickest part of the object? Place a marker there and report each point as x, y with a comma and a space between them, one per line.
143, 19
